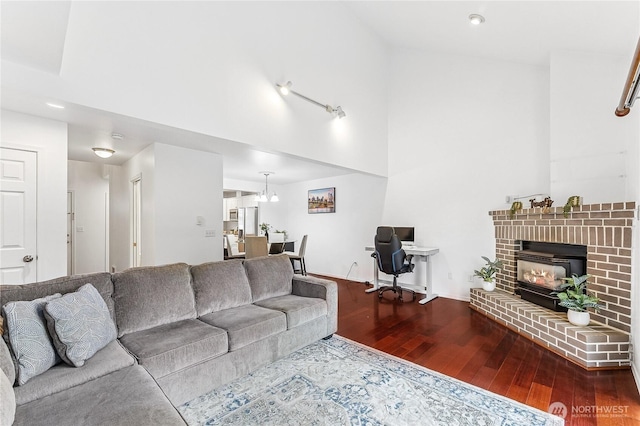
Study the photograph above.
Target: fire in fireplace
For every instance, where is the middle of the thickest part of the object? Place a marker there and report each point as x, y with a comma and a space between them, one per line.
542, 266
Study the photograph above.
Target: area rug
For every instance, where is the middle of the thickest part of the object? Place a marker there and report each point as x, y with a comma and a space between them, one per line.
340, 382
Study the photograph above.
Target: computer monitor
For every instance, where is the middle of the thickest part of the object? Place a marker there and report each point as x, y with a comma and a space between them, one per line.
406, 234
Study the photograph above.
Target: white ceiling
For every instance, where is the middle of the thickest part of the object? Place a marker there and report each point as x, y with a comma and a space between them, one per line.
526, 32
516, 31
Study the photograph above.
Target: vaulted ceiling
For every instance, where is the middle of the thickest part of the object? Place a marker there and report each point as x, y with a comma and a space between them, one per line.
33, 34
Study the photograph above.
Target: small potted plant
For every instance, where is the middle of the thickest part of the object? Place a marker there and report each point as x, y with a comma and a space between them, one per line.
488, 273
576, 299
573, 201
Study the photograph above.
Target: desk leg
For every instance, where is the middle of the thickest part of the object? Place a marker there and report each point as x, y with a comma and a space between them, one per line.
429, 296
375, 278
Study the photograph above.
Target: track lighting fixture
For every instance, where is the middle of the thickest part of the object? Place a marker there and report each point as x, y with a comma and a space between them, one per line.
285, 89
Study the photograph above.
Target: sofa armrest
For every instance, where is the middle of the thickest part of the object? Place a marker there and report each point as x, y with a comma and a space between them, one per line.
307, 286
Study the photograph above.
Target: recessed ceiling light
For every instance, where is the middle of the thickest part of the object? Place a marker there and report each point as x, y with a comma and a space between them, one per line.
103, 152
52, 105
476, 19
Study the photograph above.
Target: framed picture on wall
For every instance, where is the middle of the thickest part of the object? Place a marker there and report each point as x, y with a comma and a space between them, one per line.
322, 200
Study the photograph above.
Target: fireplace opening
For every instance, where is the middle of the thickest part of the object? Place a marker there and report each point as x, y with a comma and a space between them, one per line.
542, 266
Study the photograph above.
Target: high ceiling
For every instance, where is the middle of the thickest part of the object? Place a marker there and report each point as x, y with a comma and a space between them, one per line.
33, 34
515, 31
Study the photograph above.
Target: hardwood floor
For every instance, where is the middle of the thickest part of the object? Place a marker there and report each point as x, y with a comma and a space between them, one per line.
447, 336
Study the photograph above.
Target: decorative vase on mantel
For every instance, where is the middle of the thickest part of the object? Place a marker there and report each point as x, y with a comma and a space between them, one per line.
489, 285
578, 318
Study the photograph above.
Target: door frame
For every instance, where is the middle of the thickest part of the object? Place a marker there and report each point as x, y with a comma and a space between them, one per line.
135, 221
72, 231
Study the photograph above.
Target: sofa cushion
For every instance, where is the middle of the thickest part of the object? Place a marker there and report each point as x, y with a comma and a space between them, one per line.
111, 358
170, 347
126, 397
297, 309
220, 285
269, 276
101, 281
247, 324
79, 324
8, 398
30, 341
151, 296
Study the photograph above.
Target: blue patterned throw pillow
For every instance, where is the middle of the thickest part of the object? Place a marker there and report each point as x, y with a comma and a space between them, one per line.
28, 337
79, 324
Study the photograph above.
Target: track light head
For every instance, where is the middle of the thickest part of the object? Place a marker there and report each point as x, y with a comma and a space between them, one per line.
284, 88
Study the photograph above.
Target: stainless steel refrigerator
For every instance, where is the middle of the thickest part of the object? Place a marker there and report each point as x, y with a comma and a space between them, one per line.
247, 221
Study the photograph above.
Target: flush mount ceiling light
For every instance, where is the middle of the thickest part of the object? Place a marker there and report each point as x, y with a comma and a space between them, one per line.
285, 89
117, 136
56, 106
476, 19
264, 196
103, 152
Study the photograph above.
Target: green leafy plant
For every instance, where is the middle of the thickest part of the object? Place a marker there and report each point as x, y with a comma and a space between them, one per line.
515, 207
573, 201
488, 272
575, 296
264, 227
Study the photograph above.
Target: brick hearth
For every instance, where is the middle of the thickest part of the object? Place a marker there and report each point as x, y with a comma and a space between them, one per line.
606, 231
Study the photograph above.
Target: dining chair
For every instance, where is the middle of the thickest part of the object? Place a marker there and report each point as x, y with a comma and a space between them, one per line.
230, 254
255, 247
299, 257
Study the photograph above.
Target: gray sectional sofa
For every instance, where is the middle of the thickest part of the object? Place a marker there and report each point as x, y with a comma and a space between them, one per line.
182, 331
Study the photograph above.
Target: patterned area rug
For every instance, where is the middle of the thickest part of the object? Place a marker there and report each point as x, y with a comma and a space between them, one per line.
340, 382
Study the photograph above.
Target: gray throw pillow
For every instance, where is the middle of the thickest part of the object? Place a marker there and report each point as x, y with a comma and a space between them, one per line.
79, 324
30, 342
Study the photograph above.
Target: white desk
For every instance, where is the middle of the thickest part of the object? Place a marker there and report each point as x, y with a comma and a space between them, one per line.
424, 253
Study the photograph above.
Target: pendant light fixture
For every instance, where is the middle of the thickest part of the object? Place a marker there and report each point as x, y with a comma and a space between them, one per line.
264, 196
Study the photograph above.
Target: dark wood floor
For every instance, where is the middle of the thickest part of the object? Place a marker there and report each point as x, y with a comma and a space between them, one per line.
447, 336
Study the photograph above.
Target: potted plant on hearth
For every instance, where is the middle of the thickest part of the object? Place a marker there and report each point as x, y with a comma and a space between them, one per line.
488, 273
576, 299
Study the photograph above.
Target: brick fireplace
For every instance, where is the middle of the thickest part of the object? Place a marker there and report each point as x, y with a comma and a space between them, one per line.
606, 231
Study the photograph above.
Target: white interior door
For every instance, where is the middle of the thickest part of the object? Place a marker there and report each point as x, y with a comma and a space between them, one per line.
18, 256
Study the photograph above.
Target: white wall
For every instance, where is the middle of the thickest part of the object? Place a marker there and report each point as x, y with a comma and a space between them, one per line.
90, 234
49, 139
335, 240
594, 154
188, 184
177, 185
141, 165
217, 74
464, 132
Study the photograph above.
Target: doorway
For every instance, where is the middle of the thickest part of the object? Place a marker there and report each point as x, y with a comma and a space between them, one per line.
136, 221
70, 224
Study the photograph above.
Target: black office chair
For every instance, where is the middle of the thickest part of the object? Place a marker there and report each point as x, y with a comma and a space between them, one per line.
392, 260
